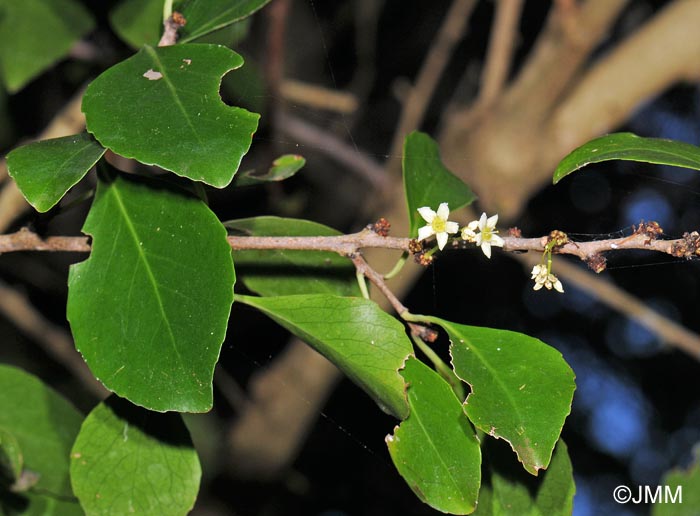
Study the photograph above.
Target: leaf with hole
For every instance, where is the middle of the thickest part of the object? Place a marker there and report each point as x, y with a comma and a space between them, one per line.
508, 492
138, 22
35, 34
149, 308
435, 449
205, 16
127, 460
521, 388
44, 171
427, 182
283, 272
365, 342
629, 147
43, 427
162, 107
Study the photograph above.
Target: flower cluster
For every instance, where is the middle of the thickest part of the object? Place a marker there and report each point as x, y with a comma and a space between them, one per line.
544, 278
439, 226
484, 234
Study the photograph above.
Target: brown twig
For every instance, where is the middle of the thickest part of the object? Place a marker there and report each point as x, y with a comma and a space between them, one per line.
324, 141
171, 26
500, 51
317, 97
55, 341
349, 245
449, 34
368, 272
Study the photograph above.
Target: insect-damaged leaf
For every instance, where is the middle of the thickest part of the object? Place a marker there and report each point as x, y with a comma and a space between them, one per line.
162, 107
149, 308
521, 388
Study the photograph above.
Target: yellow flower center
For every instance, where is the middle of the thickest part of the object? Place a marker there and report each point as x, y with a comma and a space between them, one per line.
439, 224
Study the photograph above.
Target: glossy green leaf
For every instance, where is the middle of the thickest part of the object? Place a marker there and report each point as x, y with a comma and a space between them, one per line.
34, 34
44, 426
138, 22
683, 482
169, 112
435, 449
283, 272
149, 308
282, 168
629, 147
365, 342
521, 388
44, 171
127, 460
205, 16
427, 182
509, 492
11, 460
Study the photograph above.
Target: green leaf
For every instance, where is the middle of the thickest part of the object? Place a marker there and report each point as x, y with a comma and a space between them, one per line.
34, 34
282, 168
138, 22
44, 426
521, 388
510, 492
282, 272
44, 171
365, 342
205, 16
127, 460
629, 147
149, 308
169, 112
679, 481
11, 460
427, 182
435, 449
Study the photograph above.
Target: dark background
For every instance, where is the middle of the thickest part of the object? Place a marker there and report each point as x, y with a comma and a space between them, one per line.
636, 412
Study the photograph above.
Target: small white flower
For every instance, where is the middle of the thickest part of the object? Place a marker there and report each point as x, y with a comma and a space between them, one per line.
438, 224
469, 231
488, 234
544, 279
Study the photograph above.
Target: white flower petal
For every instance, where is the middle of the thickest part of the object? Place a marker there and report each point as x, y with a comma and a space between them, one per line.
479, 238
486, 248
468, 235
492, 221
482, 222
441, 239
496, 240
451, 227
427, 214
558, 287
473, 225
443, 211
537, 286
425, 232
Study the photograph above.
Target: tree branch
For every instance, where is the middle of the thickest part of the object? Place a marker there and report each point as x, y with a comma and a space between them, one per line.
644, 237
55, 341
449, 34
500, 52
